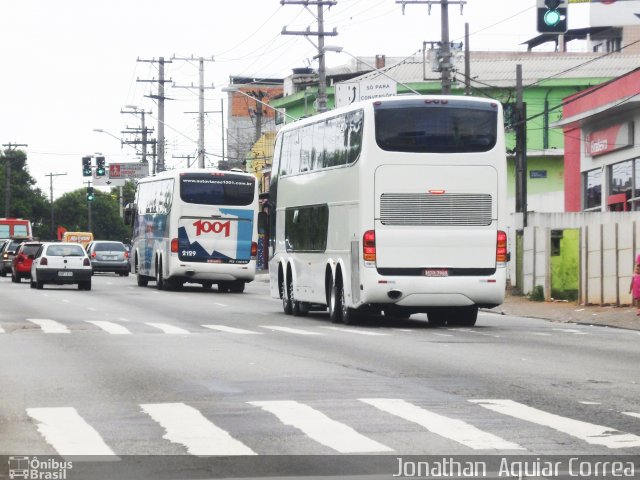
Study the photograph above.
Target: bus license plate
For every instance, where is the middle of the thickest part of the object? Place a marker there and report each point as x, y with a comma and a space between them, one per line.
65, 274
436, 272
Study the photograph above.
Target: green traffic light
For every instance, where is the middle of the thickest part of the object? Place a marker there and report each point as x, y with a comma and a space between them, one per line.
552, 18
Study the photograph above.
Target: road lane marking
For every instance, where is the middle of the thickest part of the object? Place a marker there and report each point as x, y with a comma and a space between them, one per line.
220, 304
92, 309
49, 326
110, 327
353, 330
65, 300
296, 331
238, 331
632, 414
443, 334
541, 334
187, 426
456, 430
317, 426
67, 432
170, 329
589, 432
571, 330
467, 330
587, 402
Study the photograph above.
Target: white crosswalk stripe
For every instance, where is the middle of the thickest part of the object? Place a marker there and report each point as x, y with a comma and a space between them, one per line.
317, 426
589, 432
110, 327
238, 331
49, 326
632, 414
169, 329
187, 426
295, 331
450, 428
67, 432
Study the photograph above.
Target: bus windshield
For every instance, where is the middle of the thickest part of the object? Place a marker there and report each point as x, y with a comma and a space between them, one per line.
435, 128
217, 189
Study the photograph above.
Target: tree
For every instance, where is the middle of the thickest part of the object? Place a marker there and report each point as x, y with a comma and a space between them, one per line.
106, 224
27, 200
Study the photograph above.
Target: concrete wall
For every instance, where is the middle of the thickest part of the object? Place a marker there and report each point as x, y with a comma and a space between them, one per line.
609, 243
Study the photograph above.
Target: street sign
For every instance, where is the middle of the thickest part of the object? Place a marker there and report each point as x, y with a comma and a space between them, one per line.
350, 92
128, 170
106, 181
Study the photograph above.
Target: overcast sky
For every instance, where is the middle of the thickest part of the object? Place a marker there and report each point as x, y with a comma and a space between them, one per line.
70, 66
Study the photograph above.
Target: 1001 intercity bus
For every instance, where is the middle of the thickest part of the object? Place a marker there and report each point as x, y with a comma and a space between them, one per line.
195, 226
394, 206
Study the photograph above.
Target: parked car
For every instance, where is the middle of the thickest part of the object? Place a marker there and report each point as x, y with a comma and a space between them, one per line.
109, 256
8, 253
61, 263
21, 264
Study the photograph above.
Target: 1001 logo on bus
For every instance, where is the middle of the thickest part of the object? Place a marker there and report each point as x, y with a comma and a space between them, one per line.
204, 226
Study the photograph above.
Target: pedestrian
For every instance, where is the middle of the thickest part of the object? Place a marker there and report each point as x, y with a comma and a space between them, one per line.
634, 288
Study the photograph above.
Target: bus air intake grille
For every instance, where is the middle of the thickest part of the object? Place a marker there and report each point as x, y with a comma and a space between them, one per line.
426, 209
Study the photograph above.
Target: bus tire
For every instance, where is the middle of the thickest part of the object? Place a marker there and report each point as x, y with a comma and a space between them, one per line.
437, 317
335, 309
236, 286
160, 285
142, 280
349, 315
464, 316
287, 308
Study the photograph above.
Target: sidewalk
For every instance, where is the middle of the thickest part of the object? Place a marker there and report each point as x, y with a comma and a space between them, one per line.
570, 312
558, 311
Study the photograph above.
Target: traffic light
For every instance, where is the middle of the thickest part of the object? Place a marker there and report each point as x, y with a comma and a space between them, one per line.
86, 166
100, 167
90, 195
552, 16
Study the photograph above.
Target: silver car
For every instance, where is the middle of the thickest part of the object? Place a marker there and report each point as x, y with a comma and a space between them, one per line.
109, 256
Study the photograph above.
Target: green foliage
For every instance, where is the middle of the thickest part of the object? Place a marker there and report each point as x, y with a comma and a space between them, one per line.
27, 201
72, 213
538, 294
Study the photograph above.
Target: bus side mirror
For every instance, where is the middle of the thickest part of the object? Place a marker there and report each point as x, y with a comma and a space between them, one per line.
262, 222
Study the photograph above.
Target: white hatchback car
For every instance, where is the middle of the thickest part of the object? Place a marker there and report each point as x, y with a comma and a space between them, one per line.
61, 263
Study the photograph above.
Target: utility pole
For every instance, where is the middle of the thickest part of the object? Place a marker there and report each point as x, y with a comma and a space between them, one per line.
467, 61
88, 182
143, 130
521, 148
159, 161
11, 147
201, 112
51, 175
322, 78
445, 45
188, 157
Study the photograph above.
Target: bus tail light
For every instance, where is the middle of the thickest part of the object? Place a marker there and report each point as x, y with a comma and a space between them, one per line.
369, 246
254, 249
501, 247
174, 245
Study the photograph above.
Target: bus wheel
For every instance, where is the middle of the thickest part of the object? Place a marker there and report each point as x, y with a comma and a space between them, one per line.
349, 315
159, 278
437, 317
286, 303
335, 309
464, 316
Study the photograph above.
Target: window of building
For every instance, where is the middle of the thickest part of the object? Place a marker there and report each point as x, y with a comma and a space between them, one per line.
592, 189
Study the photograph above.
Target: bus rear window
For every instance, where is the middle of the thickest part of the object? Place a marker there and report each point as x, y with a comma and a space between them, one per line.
429, 128
217, 189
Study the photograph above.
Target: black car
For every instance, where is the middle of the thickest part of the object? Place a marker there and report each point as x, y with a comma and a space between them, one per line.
7, 254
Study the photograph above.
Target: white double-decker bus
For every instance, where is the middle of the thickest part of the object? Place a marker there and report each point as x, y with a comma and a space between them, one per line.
197, 226
394, 206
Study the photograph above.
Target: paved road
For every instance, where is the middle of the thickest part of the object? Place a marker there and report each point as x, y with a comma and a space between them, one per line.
123, 370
